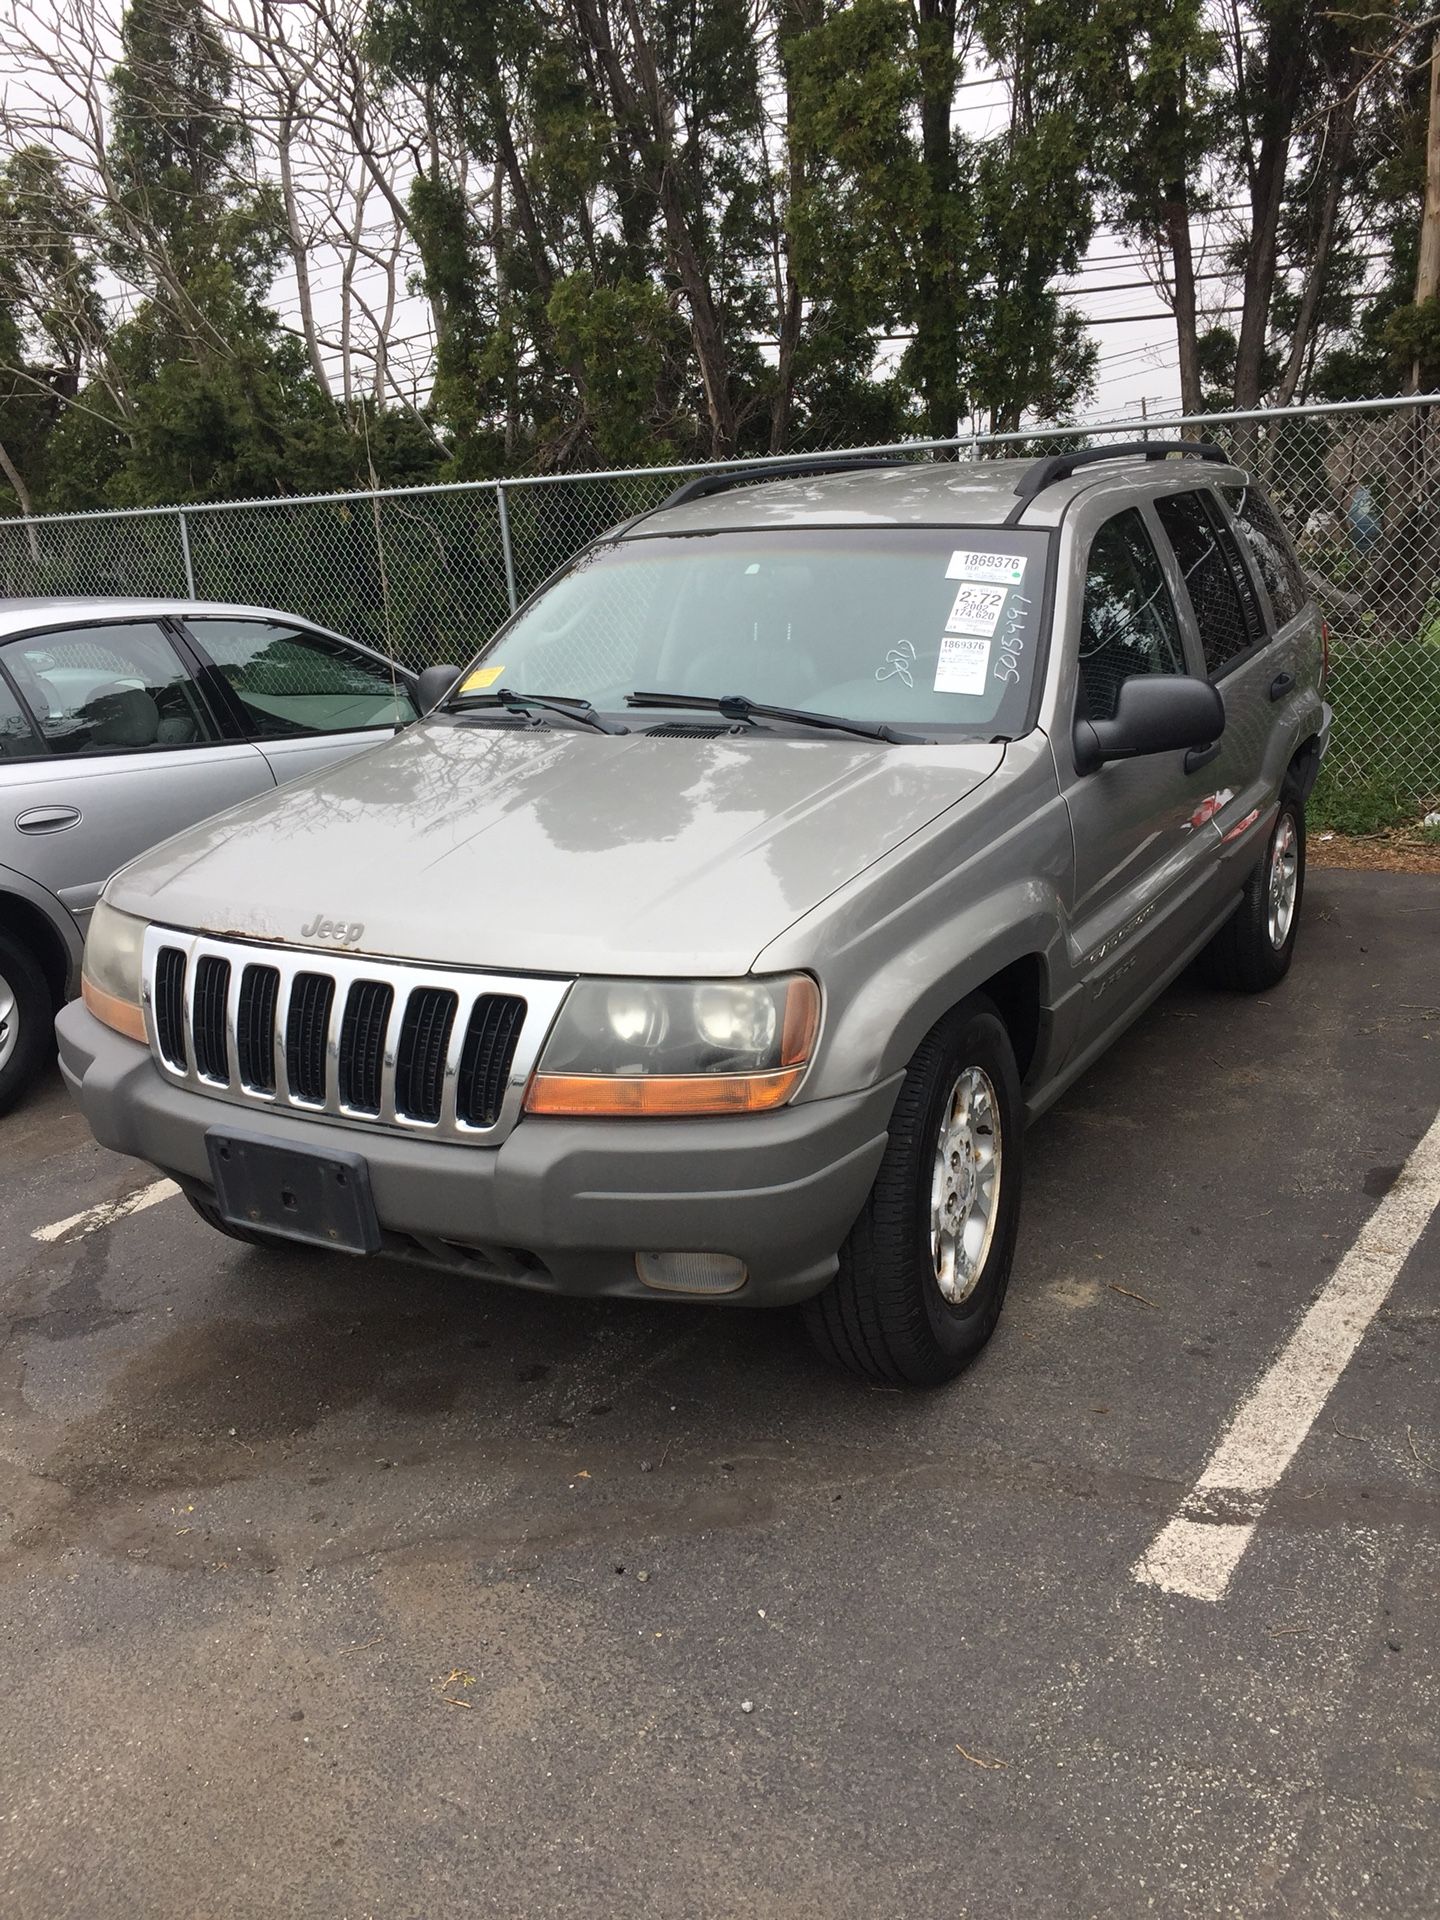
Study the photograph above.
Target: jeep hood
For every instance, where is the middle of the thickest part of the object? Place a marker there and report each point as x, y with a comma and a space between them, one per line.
554, 851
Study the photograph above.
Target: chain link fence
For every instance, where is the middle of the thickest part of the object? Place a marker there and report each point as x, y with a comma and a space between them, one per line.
427, 573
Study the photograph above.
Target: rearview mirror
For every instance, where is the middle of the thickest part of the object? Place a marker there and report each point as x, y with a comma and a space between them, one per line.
433, 685
1155, 713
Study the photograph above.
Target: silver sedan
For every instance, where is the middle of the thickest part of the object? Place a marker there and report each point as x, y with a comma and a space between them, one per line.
122, 721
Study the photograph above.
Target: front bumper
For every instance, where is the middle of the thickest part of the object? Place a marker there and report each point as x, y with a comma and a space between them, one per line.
562, 1205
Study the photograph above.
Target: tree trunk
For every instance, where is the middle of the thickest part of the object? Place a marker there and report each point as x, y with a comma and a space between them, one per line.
1182, 270
1427, 272
298, 259
22, 493
644, 108
790, 21
935, 301
1282, 80
1341, 136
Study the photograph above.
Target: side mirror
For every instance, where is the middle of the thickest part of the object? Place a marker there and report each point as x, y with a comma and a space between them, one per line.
433, 685
1156, 713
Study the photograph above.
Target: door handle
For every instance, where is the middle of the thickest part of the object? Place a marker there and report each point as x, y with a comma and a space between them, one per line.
47, 819
1281, 685
1199, 757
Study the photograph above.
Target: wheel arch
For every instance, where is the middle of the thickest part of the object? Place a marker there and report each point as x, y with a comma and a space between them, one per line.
1018, 992
57, 951
1304, 765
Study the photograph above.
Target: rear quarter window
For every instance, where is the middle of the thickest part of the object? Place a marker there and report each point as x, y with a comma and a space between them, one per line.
1270, 546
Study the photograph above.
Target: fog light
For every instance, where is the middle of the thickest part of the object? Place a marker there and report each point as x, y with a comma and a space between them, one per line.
691, 1272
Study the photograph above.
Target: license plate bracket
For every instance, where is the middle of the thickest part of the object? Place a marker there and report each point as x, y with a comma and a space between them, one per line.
318, 1196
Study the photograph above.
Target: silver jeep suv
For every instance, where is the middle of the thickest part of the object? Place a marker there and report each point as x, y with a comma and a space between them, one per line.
722, 925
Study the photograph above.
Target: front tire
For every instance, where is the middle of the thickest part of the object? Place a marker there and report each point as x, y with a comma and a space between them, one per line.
924, 1269
27, 1021
1252, 952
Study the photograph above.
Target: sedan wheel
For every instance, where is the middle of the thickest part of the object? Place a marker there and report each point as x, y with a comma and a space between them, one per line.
9, 1022
27, 1035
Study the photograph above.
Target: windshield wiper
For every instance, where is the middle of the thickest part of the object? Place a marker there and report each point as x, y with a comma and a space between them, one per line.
570, 706
739, 706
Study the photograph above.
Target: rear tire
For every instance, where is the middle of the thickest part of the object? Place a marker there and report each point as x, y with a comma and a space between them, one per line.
923, 1271
27, 1021
1252, 952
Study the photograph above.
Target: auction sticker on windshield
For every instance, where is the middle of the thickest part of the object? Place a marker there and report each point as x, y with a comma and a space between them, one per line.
977, 609
961, 665
1000, 569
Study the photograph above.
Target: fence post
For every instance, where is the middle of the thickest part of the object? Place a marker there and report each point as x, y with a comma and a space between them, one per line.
505, 544
190, 593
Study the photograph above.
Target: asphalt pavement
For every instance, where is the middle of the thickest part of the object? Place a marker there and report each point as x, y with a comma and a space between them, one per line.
331, 1589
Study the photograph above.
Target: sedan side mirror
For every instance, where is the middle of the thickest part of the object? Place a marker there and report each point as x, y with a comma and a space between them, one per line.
433, 685
1155, 713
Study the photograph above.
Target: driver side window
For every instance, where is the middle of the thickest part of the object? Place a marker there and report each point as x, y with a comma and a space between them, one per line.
1127, 622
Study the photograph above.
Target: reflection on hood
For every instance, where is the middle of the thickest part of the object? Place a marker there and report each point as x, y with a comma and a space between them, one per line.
553, 851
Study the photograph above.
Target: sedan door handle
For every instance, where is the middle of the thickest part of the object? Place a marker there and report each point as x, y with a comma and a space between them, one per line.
1281, 685
47, 819
1199, 757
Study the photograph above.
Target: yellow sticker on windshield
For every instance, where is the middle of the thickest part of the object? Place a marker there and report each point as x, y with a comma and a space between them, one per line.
481, 678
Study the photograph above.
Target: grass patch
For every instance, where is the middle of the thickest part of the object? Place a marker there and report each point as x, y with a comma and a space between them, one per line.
1383, 767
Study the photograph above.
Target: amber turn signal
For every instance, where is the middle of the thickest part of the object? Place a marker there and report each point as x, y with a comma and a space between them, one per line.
122, 1015
659, 1095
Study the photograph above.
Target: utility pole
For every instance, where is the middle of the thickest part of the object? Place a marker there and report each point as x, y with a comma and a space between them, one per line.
1427, 272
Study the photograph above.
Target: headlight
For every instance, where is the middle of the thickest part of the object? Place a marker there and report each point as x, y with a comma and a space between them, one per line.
677, 1046
110, 973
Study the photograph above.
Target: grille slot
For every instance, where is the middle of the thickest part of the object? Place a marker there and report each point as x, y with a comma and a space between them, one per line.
362, 1044
486, 1058
212, 988
311, 997
255, 1027
420, 1056
170, 1006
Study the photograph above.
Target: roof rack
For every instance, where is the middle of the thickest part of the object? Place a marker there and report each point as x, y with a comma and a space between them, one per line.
1057, 466
705, 484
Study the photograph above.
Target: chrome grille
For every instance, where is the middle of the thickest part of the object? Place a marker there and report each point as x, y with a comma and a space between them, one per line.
367, 1043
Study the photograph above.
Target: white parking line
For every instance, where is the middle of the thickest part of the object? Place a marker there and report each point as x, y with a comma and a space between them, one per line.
1201, 1547
108, 1210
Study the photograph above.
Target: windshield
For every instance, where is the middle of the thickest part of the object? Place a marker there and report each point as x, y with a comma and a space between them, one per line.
937, 627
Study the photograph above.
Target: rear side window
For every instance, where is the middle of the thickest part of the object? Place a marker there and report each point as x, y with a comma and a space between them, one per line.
291, 681
1226, 609
110, 689
1127, 622
1273, 554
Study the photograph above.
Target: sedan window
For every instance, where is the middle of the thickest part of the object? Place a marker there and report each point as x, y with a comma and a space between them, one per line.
291, 681
108, 689
17, 738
